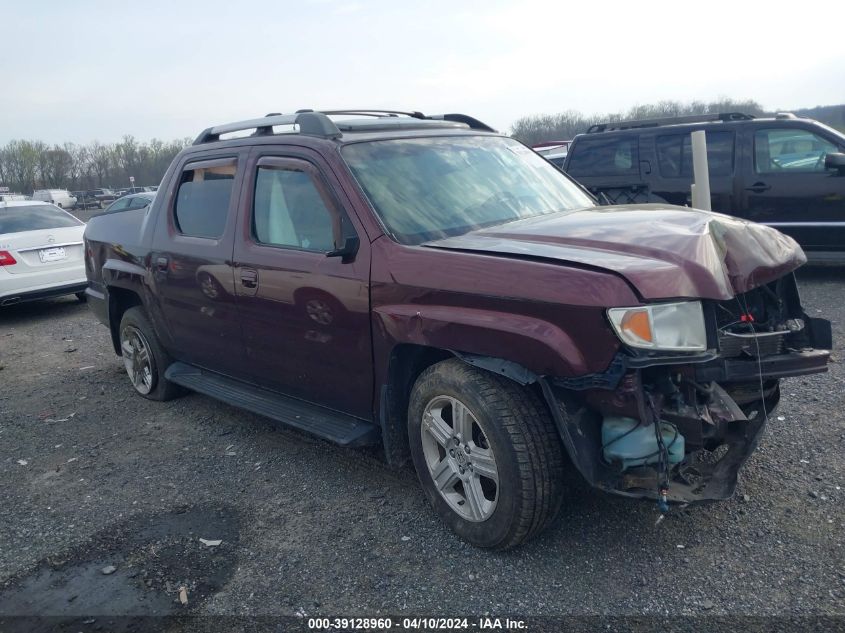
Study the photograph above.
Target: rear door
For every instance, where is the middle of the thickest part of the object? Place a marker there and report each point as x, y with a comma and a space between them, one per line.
672, 174
191, 262
608, 163
787, 186
305, 315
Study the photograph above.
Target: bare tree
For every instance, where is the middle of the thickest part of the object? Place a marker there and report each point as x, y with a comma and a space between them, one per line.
563, 126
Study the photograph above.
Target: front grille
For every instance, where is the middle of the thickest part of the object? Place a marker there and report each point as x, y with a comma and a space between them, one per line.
761, 344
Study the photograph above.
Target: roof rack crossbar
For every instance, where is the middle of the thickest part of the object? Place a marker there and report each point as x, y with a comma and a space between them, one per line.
675, 120
309, 122
318, 123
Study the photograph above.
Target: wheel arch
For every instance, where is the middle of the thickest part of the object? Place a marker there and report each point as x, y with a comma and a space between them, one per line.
120, 300
123, 282
407, 361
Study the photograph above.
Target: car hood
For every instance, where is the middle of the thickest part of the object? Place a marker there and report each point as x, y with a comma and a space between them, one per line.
662, 250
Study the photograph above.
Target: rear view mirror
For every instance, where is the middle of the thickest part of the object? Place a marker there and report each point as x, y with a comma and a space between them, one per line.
835, 160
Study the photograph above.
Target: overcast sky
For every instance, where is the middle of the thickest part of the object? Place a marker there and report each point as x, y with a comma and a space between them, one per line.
84, 70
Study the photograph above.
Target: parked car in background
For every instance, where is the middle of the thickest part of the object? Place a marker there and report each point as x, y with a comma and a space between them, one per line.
62, 198
8, 197
104, 196
131, 190
785, 172
434, 288
553, 151
86, 200
41, 252
131, 201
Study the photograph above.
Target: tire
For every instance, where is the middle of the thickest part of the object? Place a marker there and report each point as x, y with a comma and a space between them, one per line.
507, 423
145, 371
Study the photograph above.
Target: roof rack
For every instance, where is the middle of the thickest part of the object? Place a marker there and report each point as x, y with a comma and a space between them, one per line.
675, 120
318, 123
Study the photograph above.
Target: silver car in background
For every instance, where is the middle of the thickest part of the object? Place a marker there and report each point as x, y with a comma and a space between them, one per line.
41, 252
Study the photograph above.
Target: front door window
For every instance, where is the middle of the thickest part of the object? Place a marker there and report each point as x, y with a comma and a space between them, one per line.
790, 150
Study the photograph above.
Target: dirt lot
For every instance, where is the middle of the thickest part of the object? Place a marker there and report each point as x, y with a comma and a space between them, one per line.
94, 476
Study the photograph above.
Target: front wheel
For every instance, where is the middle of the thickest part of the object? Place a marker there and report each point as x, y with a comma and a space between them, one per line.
144, 357
487, 454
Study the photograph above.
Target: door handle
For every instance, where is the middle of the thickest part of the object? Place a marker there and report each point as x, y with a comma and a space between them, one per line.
161, 264
249, 278
758, 187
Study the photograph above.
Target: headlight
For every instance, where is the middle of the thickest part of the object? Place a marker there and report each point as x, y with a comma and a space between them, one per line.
672, 327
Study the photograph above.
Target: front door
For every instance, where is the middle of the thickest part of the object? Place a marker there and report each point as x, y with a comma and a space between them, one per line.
191, 265
304, 314
790, 189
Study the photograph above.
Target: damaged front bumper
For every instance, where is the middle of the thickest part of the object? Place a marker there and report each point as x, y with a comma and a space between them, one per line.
719, 405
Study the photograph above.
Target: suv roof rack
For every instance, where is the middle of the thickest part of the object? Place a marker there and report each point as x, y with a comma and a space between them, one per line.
675, 120
318, 123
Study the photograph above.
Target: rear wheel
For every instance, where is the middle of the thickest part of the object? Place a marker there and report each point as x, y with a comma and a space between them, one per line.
144, 357
487, 454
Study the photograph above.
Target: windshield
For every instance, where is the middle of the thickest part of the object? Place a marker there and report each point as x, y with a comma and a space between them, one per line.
34, 218
430, 188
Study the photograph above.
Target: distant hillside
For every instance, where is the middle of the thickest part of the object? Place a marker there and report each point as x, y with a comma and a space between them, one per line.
832, 115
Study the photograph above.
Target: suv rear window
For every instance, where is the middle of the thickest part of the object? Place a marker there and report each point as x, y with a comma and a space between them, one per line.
202, 202
674, 154
605, 157
34, 218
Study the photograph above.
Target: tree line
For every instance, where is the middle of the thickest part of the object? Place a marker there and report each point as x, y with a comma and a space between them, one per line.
29, 165
565, 125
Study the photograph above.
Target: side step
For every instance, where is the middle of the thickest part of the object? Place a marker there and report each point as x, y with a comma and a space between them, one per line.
339, 428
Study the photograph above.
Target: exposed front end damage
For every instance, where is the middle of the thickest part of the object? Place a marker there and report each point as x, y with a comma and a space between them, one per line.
716, 402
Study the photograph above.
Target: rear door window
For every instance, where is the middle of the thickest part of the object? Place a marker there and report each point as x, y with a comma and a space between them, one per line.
34, 218
120, 205
605, 157
140, 202
790, 150
674, 154
203, 198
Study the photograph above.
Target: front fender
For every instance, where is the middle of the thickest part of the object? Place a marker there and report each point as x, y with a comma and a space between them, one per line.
538, 345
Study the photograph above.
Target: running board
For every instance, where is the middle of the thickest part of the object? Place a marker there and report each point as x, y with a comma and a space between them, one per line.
339, 428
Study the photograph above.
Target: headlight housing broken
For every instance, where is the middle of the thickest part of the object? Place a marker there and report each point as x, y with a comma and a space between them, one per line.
670, 327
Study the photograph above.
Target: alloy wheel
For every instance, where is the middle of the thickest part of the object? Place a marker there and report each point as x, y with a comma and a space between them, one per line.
137, 358
459, 458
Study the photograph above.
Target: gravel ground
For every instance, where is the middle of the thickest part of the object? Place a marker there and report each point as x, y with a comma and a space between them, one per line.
94, 476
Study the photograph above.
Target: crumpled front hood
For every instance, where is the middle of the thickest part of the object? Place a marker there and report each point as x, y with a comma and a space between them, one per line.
664, 251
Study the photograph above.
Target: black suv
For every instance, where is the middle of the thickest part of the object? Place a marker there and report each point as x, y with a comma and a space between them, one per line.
784, 171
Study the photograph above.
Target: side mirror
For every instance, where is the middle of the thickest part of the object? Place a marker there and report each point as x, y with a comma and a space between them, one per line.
835, 160
348, 250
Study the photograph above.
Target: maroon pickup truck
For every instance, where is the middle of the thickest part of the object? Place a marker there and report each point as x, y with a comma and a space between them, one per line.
434, 288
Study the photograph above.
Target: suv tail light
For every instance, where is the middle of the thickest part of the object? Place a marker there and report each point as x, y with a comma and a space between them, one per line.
6, 258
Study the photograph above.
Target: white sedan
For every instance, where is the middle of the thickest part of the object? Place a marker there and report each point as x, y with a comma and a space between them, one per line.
41, 252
